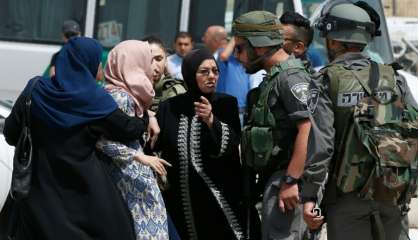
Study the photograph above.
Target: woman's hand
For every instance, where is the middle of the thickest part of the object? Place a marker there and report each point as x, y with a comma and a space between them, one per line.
203, 110
153, 129
156, 163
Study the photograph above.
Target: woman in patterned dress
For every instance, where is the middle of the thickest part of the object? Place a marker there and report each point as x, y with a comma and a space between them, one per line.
199, 137
128, 74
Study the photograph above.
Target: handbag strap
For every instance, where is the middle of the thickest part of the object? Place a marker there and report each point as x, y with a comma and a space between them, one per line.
28, 102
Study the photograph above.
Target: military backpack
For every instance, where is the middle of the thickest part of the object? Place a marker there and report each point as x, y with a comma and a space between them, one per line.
166, 88
377, 134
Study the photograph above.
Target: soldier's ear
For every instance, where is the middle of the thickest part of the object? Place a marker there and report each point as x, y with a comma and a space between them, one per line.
332, 43
300, 47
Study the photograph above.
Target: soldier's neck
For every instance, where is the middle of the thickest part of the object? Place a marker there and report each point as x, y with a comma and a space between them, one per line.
276, 58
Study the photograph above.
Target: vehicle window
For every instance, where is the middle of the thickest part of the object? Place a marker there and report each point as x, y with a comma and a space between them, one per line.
118, 20
5, 108
223, 12
1, 124
205, 13
379, 49
7, 104
38, 20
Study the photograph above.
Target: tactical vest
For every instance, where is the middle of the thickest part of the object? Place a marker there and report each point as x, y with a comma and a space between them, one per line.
376, 134
166, 88
260, 134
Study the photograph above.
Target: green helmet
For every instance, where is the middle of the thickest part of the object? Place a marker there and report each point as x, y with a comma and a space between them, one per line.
261, 28
346, 22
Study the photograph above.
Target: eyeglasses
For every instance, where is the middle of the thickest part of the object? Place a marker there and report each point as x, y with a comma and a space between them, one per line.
206, 71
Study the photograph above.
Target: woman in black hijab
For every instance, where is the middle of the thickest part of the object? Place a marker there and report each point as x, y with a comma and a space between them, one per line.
199, 137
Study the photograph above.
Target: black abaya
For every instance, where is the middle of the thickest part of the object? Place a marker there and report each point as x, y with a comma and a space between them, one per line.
205, 179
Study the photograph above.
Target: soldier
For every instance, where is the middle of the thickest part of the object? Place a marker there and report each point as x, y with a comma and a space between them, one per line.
362, 131
165, 86
276, 132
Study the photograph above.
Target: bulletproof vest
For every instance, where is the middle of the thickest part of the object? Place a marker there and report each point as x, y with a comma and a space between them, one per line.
376, 134
260, 140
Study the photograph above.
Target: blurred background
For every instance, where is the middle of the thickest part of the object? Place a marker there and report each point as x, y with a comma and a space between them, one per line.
30, 30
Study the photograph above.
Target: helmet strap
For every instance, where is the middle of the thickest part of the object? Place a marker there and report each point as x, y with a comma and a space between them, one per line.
333, 53
256, 62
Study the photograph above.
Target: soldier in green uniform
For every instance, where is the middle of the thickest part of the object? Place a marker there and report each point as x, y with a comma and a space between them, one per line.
165, 86
362, 134
277, 127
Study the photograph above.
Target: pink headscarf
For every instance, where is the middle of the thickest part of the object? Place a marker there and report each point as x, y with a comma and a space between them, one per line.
129, 67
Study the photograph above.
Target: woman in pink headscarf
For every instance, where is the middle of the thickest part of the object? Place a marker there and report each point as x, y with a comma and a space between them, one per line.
128, 74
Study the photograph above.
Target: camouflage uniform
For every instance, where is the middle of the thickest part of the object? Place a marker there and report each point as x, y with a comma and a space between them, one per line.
166, 88
351, 126
348, 215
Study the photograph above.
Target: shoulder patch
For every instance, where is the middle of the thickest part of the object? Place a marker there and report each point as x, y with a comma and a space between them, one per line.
300, 91
292, 71
312, 102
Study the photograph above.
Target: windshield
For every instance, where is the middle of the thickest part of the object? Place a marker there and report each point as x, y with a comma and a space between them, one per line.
379, 49
38, 20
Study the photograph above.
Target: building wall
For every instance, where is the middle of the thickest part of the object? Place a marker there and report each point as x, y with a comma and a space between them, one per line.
401, 8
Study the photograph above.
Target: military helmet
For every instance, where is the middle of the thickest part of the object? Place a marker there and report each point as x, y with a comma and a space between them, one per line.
261, 28
347, 22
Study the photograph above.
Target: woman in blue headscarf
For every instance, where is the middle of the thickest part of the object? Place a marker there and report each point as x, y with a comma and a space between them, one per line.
72, 195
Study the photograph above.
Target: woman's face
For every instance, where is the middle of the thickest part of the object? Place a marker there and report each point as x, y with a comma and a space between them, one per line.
207, 75
159, 60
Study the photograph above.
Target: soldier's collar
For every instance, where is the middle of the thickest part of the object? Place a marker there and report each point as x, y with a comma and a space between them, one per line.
291, 62
350, 56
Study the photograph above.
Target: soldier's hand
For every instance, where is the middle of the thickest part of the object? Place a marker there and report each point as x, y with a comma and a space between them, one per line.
311, 219
288, 197
203, 110
153, 129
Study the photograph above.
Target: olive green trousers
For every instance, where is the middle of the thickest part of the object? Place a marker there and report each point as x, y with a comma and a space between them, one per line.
354, 218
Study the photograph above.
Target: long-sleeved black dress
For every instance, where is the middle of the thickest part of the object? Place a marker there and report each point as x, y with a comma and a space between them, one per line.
205, 180
72, 195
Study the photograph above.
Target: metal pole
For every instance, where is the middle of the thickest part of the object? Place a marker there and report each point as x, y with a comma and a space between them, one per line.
90, 17
184, 17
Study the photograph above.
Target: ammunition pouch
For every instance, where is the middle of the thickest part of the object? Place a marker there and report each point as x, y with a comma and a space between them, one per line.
260, 136
257, 143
